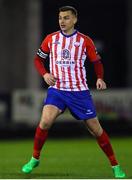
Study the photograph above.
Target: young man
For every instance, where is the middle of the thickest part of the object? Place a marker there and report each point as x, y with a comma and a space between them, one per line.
67, 50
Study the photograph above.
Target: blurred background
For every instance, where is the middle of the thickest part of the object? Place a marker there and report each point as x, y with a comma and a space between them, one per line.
68, 152
23, 26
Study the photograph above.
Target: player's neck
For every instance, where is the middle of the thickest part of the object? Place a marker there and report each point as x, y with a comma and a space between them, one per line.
69, 32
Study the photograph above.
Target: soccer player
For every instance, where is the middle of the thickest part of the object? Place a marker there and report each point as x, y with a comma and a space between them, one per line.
67, 50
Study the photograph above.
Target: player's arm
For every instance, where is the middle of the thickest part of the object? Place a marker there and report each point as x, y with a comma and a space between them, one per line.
99, 70
40, 66
98, 66
39, 62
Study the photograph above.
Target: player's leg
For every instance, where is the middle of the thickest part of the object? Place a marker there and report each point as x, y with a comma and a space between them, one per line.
53, 106
96, 130
49, 114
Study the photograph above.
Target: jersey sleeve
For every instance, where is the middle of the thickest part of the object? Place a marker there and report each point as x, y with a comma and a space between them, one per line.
40, 65
91, 50
44, 49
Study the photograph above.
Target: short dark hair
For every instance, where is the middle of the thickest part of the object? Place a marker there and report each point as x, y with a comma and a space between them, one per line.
68, 8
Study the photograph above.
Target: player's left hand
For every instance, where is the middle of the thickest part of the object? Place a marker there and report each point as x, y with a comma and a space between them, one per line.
100, 84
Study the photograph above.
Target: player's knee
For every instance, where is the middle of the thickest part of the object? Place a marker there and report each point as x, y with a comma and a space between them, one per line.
94, 127
97, 131
46, 122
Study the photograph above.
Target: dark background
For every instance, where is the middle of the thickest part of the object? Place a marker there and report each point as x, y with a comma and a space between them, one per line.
105, 22
24, 24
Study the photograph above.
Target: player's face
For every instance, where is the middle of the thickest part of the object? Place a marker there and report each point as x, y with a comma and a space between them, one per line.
67, 20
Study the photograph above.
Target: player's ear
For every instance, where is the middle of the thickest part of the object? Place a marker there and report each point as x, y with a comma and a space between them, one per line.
75, 20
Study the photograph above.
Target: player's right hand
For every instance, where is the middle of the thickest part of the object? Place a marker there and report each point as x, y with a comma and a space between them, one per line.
49, 79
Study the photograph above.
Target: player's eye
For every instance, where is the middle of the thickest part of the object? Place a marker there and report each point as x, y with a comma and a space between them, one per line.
67, 17
60, 17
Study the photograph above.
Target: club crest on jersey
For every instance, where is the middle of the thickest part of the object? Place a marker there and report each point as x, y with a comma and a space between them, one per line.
65, 54
65, 60
76, 44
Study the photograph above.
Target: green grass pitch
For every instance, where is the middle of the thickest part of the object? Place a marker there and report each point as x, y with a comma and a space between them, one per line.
64, 159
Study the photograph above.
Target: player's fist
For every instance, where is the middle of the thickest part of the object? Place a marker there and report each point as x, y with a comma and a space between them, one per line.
100, 84
49, 79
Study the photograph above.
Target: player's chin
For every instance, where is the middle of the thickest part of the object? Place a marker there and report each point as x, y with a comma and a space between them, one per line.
63, 29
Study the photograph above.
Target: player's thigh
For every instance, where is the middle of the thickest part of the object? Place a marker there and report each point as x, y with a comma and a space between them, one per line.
49, 114
94, 126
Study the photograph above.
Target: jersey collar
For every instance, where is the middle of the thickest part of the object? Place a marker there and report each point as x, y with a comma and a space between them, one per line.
75, 31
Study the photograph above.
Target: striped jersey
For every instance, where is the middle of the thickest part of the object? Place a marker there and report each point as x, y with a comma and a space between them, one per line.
67, 54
